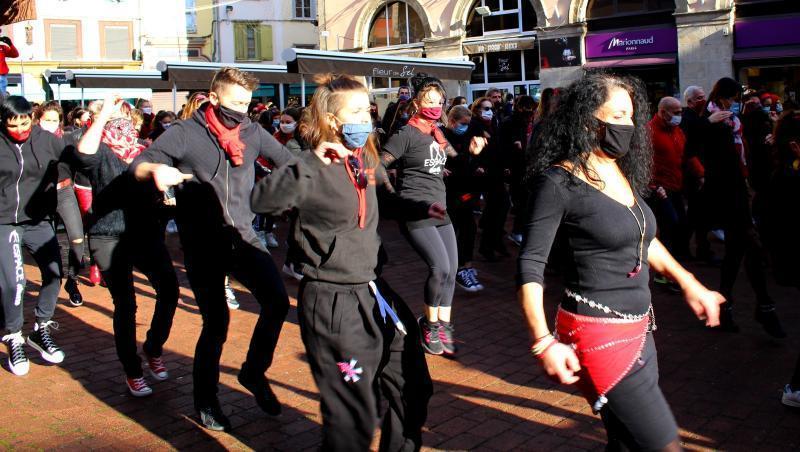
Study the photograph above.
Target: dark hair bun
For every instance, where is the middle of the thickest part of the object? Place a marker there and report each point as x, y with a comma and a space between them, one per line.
422, 81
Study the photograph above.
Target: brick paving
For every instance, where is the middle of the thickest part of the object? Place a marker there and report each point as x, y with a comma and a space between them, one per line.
724, 388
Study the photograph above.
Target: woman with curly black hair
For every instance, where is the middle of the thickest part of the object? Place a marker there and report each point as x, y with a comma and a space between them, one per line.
590, 168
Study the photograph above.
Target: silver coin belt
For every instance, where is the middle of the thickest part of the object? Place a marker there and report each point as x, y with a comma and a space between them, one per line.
632, 317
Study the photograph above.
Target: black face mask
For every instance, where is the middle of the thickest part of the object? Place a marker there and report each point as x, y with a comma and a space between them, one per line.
615, 139
230, 118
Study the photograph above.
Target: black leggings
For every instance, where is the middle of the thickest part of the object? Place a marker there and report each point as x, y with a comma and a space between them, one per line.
436, 245
70, 216
116, 257
465, 227
637, 417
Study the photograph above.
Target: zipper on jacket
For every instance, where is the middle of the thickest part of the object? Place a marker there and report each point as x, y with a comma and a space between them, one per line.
21, 169
228, 193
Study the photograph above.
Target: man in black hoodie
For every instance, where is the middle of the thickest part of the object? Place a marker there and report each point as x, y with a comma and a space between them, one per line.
211, 157
28, 176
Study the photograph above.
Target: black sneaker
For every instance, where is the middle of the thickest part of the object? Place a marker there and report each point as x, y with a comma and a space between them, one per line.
446, 331
41, 341
726, 322
466, 281
259, 386
17, 360
71, 287
429, 336
212, 417
768, 318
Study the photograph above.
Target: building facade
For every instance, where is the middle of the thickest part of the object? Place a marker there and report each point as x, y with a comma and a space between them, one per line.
93, 34
522, 46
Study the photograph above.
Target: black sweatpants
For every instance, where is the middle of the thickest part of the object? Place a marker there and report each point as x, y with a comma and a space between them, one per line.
40, 240
637, 417
206, 266
494, 217
465, 227
70, 216
117, 257
356, 358
436, 245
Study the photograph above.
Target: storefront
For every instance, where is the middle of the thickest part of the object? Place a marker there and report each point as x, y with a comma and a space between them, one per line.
650, 54
767, 54
510, 64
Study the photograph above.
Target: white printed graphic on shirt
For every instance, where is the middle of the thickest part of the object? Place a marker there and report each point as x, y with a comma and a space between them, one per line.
437, 160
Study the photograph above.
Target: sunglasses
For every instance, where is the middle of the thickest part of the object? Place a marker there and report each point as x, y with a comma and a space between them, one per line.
355, 166
485, 108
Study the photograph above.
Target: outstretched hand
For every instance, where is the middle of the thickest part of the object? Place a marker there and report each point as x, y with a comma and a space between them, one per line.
331, 152
166, 176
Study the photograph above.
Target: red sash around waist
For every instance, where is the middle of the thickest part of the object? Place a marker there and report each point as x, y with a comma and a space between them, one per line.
607, 349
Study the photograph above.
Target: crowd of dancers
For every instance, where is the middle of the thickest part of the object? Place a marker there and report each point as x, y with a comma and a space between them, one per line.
592, 180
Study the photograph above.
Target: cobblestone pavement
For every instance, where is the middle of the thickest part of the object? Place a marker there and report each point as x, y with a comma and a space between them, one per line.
723, 388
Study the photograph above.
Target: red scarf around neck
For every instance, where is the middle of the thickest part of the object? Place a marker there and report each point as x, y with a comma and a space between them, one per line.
228, 138
428, 128
361, 192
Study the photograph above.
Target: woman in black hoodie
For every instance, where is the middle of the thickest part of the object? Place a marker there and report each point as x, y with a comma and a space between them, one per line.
125, 232
28, 177
357, 345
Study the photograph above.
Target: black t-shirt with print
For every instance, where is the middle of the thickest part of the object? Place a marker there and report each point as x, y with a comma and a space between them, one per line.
420, 164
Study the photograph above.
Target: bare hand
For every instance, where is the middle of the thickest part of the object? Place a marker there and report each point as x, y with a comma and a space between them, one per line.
477, 144
661, 193
518, 145
111, 105
705, 303
166, 176
437, 210
446, 172
331, 152
718, 116
561, 363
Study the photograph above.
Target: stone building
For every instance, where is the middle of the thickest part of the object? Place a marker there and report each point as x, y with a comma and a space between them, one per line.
522, 46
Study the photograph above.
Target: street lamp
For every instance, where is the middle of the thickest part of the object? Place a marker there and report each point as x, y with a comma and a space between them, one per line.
483, 11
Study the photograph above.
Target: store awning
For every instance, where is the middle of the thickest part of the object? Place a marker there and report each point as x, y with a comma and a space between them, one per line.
765, 53
505, 44
14, 79
627, 62
304, 61
96, 78
198, 75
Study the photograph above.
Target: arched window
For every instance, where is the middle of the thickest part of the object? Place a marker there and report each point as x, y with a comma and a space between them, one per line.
395, 24
505, 16
608, 8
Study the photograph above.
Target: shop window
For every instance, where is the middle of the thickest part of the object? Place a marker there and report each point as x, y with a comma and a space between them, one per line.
506, 16
252, 41
754, 8
503, 67
479, 73
395, 24
607, 8
531, 64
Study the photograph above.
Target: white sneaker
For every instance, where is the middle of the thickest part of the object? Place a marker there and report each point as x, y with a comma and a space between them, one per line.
262, 237
17, 360
271, 240
790, 398
230, 297
288, 269
516, 239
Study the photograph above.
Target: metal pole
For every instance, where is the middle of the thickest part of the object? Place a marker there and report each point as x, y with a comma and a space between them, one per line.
281, 100
303, 90
174, 97
21, 77
83, 103
59, 93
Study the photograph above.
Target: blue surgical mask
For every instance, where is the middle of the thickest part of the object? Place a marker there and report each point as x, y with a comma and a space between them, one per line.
356, 135
766, 109
276, 123
404, 97
779, 108
735, 108
461, 129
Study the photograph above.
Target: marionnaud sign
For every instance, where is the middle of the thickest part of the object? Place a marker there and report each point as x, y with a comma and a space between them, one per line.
629, 43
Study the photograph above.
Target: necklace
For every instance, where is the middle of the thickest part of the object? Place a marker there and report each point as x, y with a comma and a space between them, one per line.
642, 230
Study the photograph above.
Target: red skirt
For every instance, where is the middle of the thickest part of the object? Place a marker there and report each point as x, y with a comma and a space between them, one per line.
607, 349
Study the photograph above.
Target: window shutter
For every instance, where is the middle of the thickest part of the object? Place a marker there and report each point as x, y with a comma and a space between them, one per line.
240, 41
63, 42
265, 42
118, 46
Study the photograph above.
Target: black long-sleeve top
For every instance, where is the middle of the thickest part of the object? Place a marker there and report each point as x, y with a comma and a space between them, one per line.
332, 247
602, 241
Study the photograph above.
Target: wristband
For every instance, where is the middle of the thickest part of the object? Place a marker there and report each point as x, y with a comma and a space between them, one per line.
540, 355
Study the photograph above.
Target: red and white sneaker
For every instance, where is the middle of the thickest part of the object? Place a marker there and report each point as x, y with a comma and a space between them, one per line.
157, 368
138, 387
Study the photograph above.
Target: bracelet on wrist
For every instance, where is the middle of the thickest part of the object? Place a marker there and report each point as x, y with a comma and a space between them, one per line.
541, 345
540, 355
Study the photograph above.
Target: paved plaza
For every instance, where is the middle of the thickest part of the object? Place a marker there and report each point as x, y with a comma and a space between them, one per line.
723, 388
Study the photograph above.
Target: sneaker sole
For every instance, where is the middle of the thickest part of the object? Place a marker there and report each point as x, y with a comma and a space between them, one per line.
139, 394
233, 306
788, 402
46, 356
215, 427
467, 288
